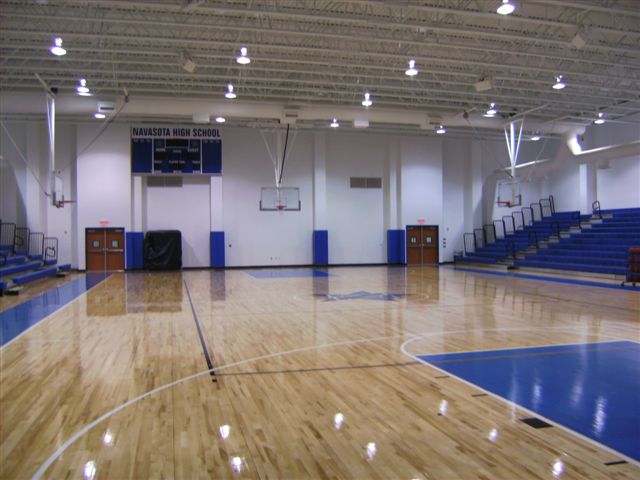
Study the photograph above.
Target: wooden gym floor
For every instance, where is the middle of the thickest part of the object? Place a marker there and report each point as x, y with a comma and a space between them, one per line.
314, 377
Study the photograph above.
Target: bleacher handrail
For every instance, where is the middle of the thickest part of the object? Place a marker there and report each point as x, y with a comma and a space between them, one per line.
509, 222
519, 225
534, 210
479, 242
595, 209
533, 234
489, 233
528, 210
552, 201
36, 244
7, 234
500, 223
545, 207
467, 250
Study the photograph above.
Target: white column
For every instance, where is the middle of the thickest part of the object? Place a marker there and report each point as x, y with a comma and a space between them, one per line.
391, 186
588, 186
216, 207
137, 205
319, 182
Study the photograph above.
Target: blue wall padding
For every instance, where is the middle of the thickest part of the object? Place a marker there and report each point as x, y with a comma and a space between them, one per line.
395, 246
320, 247
216, 244
135, 250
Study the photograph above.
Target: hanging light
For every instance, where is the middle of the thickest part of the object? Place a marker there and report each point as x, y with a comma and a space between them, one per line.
559, 85
600, 119
243, 59
412, 70
56, 48
221, 119
506, 8
492, 111
82, 88
367, 102
535, 137
334, 123
441, 130
99, 115
230, 93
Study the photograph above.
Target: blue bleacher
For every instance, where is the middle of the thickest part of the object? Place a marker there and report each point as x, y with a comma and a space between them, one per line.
29, 257
599, 249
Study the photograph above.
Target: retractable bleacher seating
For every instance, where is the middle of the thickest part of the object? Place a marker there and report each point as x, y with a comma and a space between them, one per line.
26, 256
600, 247
510, 237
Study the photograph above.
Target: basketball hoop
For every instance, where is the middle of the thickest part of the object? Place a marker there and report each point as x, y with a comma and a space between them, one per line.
504, 203
60, 203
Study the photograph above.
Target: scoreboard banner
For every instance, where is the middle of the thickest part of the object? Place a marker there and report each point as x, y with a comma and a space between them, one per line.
176, 150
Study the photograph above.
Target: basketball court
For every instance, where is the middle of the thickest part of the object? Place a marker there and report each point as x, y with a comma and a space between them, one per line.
352, 372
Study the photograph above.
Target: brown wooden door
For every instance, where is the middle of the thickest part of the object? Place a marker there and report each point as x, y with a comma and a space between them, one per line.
422, 245
114, 249
95, 245
429, 245
414, 246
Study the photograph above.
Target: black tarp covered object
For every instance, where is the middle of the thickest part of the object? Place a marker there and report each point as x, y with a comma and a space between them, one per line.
163, 250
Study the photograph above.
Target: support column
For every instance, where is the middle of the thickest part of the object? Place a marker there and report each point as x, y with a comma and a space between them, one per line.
216, 242
320, 232
391, 199
135, 238
588, 187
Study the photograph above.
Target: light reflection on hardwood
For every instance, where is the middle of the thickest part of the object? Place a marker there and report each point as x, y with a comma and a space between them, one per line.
136, 332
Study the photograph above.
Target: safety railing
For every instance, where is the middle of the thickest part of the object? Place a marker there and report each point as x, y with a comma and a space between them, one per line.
595, 209
518, 221
489, 234
21, 241
469, 243
527, 216
509, 225
36, 245
50, 250
478, 235
536, 209
498, 225
7, 234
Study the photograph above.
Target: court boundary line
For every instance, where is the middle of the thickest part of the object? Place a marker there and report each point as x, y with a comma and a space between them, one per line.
412, 337
203, 342
54, 312
520, 407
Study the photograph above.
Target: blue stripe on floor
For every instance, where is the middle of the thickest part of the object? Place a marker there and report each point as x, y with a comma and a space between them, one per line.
287, 273
571, 281
21, 317
592, 388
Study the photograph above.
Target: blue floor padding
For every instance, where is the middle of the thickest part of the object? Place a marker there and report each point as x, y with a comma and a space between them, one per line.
592, 388
17, 319
286, 273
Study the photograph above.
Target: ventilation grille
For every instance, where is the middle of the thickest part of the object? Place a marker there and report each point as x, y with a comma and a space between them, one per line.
363, 182
164, 181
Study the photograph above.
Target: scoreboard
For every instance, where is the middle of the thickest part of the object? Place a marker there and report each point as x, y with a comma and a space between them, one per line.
158, 150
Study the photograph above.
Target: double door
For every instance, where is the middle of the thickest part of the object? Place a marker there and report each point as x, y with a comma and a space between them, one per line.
105, 249
422, 245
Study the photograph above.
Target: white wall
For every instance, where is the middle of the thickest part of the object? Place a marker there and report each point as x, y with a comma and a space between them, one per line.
456, 169
184, 208
255, 237
563, 185
619, 185
355, 215
103, 180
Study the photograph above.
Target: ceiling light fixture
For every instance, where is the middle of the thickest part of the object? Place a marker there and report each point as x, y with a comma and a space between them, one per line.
243, 59
535, 137
230, 93
220, 119
367, 102
82, 88
559, 85
99, 115
492, 111
412, 70
334, 123
441, 130
506, 8
600, 119
56, 48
